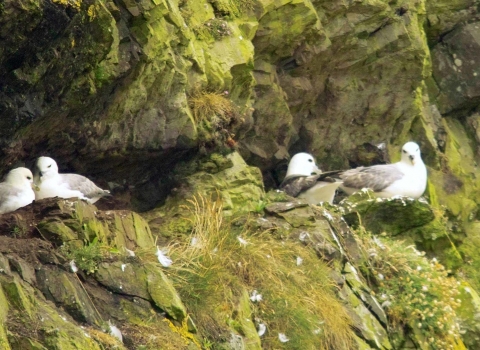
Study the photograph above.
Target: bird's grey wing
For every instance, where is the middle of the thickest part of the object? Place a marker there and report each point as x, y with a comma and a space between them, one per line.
7, 191
84, 185
294, 185
377, 177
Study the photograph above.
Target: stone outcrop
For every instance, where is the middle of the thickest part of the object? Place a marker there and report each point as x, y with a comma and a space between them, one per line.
164, 101
323, 82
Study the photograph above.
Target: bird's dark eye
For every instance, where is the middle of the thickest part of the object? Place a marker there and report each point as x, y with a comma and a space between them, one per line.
404, 151
310, 160
49, 166
417, 150
29, 177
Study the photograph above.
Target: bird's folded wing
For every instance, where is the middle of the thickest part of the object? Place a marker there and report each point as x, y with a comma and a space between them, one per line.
81, 183
294, 185
7, 191
377, 177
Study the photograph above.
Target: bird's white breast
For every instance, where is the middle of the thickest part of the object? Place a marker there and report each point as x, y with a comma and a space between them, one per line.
321, 192
412, 184
12, 203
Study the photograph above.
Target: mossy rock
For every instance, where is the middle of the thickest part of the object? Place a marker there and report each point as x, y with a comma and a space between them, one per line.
367, 324
67, 291
469, 314
146, 281
386, 215
243, 324
239, 186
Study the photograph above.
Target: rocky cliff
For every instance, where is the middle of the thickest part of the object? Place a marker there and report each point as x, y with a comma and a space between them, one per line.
163, 101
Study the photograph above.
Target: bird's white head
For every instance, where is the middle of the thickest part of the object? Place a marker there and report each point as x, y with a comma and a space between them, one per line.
302, 164
20, 178
46, 168
411, 153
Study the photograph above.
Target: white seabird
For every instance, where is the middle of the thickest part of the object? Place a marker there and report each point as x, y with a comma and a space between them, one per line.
408, 177
16, 191
305, 180
52, 184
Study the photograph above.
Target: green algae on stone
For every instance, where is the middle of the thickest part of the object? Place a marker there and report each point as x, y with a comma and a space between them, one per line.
162, 292
123, 278
3, 317
390, 215
296, 213
77, 221
28, 312
469, 251
238, 185
130, 229
363, 292
369, 327
66, 290
458, 185
469, 315
246, 327
146, 281
16, 296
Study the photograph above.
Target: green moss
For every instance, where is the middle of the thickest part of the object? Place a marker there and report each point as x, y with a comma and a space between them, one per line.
468, 313
232, 8
215, 28
469, 251
16, 295
391, 215
163, 293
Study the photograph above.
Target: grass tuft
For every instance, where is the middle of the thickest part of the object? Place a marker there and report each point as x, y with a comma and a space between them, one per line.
215, 116
221, 260
212, 107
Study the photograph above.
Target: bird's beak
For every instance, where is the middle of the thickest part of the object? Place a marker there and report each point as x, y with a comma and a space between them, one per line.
412, 159
316, 171
35, 187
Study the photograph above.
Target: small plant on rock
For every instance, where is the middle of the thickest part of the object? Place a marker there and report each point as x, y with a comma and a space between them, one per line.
87, 257
416, 292
214, 116
218, 28
19, 231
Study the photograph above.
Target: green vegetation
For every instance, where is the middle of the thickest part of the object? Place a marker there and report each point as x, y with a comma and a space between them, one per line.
232, 8
86, 257
415, 291
218, 28
221, 262
19, 231
71, 3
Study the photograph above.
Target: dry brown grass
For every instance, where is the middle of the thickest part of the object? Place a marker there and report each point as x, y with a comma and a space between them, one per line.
212, 274
212, 107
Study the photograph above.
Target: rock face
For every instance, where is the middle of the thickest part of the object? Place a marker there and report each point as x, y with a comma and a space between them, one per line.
66, 263
168, 100
44, 300
107, 87
455, 70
